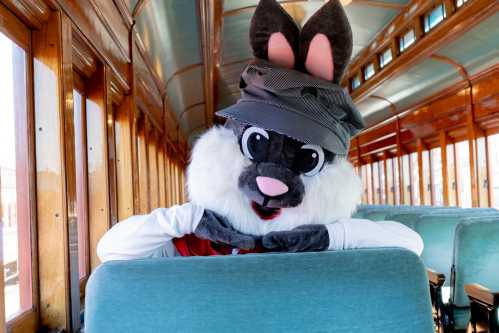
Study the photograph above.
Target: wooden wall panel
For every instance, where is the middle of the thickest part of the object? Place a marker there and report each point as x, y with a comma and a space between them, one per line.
161, 175
51, 101
98, 180
107, 35
143, 166
124, 169
153, 171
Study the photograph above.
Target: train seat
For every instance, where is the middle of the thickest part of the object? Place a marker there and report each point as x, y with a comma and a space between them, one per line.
437, 231
475, 258
368, 290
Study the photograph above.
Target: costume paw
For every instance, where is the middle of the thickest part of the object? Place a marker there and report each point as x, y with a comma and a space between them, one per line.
217, 229
311, 237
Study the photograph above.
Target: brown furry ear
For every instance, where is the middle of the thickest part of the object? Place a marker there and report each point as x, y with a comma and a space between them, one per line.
326, 42
274, 35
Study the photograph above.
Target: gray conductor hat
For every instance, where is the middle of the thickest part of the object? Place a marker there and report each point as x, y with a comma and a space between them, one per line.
292, 103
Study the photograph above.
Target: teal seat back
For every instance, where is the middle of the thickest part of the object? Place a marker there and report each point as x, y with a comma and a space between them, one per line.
437, 231
476, 256
369, 290
409, 217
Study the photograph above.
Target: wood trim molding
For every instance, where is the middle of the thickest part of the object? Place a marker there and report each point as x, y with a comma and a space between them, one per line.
84, 59
125, 13
460, 68
32, 12
211, 32
109, 29
160, 85
450, 29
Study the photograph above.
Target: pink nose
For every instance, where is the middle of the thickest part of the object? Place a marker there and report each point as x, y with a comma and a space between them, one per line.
271, 186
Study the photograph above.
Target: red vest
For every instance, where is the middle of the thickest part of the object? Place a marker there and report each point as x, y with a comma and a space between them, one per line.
190, 246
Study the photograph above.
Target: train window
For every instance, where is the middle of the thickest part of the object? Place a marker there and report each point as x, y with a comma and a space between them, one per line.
153, 172
79, 100
406, 176
385, 58
482, 178
369, 71
376, 189
463, 173
389, 181
437, 180
451, 175
142, 165
15, 212
427, 190
434, 17
355, 82
396, 181
407, 40
382, 184
459, 3
493, 144
416, 198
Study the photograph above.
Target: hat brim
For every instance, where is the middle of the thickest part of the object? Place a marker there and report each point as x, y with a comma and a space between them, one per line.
287, 122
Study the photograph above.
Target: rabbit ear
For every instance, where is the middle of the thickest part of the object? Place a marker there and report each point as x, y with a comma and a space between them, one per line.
274, 35
326, 42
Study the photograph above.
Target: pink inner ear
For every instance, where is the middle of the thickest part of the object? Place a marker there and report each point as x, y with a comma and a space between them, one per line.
280, 52
319, 61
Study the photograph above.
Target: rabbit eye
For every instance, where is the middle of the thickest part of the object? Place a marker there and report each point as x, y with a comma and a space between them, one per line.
309, 160
254, 143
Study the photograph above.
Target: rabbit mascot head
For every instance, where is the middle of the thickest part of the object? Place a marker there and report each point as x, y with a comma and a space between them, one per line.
280, 160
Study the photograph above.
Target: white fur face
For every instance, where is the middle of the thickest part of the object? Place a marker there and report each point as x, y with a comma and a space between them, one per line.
212, 181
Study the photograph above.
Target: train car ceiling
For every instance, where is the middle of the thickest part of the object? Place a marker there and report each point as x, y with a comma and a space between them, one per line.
172, 34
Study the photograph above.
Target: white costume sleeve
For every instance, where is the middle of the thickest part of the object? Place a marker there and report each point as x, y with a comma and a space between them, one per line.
145, 236
357, 233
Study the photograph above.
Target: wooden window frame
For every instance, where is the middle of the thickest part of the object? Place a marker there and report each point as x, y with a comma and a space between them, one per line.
429, 12
26, 320
83, 239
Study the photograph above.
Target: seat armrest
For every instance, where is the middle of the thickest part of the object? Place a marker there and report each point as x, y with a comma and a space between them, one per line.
479, 293
435, 277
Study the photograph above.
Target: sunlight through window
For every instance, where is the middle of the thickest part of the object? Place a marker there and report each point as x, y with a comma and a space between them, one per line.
14, 206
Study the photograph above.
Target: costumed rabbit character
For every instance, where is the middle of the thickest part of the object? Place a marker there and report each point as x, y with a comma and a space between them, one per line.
275, 177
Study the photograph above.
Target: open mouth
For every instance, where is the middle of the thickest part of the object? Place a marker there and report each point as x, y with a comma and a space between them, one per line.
265, 213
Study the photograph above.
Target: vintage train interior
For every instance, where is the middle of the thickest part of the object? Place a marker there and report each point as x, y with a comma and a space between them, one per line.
102, 102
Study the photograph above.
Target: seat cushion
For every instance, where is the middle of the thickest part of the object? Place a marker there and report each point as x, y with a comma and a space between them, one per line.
370, 290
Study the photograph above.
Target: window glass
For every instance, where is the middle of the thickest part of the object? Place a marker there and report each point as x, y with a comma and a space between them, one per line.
396, 181
407, 40
451, 174
369, 184
385, 58
427, 178
433, 18
406, 176
415, 179
389, 179
436, 169
494, 168
463, 173
81, 183
482, 179
355, 82
382, 189
14, 179
368, 71
376, 183
363, 175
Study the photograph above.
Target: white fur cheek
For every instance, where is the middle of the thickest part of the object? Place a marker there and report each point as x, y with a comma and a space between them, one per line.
330, 195
213, 175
